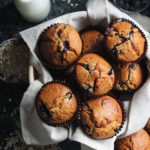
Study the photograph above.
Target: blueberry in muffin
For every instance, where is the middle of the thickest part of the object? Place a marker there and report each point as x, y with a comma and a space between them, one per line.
137, 141
92, 41
56, 104
60, 45
129, 76
101, 117
125, 41
94, 74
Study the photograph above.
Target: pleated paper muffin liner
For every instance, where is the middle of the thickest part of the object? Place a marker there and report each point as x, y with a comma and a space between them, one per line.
77, 113
147, 126
43, 61
71, 70
132, 23
123, 116
142, 63
85, 94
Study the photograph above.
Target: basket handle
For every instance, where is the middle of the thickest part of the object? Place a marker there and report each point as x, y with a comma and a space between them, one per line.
31, 74
97, 12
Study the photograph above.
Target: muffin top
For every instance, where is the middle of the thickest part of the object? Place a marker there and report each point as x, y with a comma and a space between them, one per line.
56, 103
92, 41
101, 117
129, 76
60, 45
94, 74
125, 42
137, 141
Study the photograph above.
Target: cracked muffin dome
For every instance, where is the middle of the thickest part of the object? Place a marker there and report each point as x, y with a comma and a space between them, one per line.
92, 41
148, 126
56, 103
129, 76
124, 41
94, 74
60, 45
137, 141
101, 117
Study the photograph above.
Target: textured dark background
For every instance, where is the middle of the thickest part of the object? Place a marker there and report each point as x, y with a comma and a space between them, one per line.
10, 95
11, 22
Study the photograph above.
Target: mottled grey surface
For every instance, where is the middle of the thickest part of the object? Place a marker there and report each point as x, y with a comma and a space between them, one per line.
10, 95
11, 22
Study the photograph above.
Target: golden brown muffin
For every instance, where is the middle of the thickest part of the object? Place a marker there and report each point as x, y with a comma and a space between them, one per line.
148, 126
92, 41
129, 76
124, 41
60, 45
101, 117
94, 74
56, 103
137, 141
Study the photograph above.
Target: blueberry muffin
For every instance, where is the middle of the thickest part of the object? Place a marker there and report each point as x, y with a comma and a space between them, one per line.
94, 74
124, 41
101, 117
92, 41
129, 76
56, 104
137, 141
60, 45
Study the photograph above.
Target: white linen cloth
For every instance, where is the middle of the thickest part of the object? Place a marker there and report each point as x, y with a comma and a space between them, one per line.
99, 12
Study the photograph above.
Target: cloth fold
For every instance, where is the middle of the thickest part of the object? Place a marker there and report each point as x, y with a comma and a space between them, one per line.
99, 12
34, 130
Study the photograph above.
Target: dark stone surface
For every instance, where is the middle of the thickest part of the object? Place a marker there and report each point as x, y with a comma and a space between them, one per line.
10, 95
11, 22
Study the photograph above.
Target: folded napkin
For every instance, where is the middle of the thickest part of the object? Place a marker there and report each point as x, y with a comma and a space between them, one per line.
34, 130
99, 12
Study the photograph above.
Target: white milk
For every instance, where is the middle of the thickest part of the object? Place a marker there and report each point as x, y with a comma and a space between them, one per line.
33, 10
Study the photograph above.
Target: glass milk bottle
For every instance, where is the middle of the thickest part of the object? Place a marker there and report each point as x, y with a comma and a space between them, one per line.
33, 10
